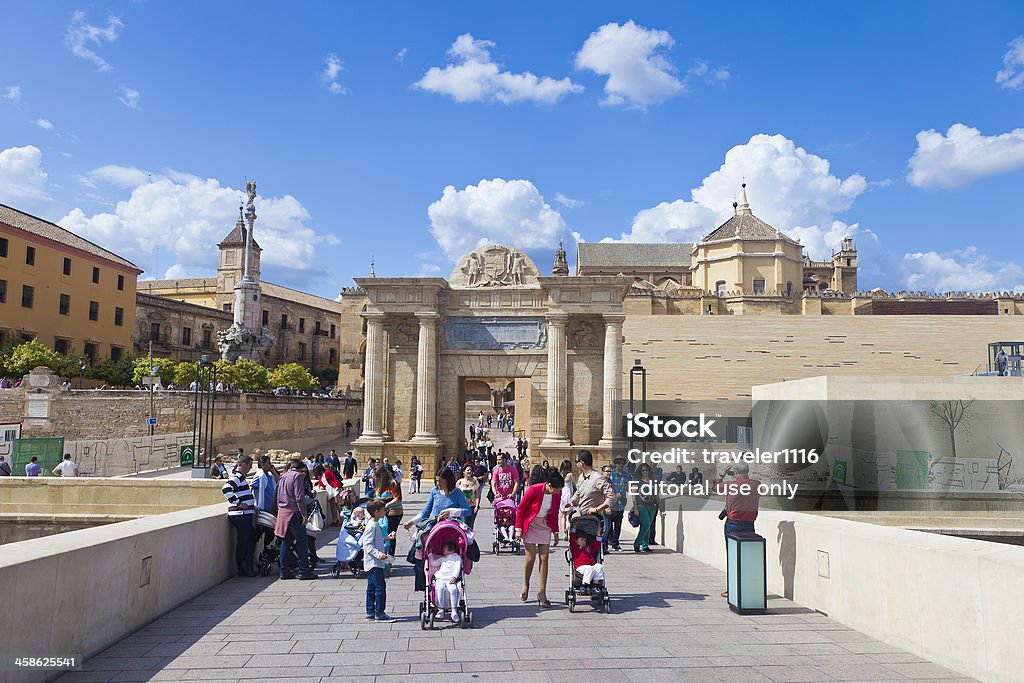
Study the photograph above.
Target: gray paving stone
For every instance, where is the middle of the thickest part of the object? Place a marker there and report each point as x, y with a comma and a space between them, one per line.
340, 659
794, 674
921, 670
207, 662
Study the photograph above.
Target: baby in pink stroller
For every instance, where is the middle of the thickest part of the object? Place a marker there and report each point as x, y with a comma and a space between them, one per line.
446, 564
504, 526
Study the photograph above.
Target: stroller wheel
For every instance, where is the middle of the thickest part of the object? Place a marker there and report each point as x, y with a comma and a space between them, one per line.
568, 596
336, 570
572, 604
496, 548
265, 570
423, 621
432, 621
469, 619
607, 605
423, 609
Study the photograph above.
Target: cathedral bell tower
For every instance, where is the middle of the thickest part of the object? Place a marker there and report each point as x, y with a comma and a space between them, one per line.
844, 267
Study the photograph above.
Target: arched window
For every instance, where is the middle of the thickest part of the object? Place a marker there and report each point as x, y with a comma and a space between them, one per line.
720, 288
758, 285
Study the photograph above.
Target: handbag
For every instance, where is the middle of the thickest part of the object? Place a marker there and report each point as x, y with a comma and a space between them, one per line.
315, 522
634, 518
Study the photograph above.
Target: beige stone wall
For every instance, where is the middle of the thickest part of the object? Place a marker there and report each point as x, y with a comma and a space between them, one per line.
401, 395
136, 497
709, 357
585, 378
248, 420
352, 336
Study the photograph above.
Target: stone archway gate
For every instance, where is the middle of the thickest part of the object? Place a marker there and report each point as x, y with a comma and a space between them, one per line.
495, 317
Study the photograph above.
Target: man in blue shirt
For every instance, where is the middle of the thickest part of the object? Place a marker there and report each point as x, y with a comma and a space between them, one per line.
264, 489
32, 469
368, 478
620, 479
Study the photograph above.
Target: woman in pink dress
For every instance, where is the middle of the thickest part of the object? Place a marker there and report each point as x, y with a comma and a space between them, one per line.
536, 521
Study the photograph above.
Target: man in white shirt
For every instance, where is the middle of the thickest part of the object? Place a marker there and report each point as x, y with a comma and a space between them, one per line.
67, 467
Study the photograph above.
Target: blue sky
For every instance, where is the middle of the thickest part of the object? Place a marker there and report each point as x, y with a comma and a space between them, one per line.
135, 124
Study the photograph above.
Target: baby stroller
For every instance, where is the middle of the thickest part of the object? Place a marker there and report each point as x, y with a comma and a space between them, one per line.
590, 528
349, 553
270, 554
505, 516
441, 533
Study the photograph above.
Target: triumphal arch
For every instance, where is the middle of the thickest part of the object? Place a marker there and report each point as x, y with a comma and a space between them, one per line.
496, 320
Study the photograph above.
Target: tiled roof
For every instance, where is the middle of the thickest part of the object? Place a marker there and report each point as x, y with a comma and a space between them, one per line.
745, 226
53, 232
236, 238
168, 287
630, 255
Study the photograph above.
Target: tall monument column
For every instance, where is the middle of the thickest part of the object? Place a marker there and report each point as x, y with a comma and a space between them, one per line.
557, 382
426, 379
373, 387
612, 375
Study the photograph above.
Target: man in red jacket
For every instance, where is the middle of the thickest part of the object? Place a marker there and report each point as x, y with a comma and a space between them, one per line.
741, 500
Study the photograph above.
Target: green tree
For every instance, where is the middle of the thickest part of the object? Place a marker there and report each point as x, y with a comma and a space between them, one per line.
244, 375
184, 374
293, 376
115, 373
166, 371
31, 355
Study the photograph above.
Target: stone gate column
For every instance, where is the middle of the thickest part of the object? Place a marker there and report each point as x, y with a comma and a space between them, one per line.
612, 375
557, 382
373, 391
426, 379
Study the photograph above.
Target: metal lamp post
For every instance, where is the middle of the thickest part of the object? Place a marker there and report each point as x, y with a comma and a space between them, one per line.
637, 375
83, 362
204, 396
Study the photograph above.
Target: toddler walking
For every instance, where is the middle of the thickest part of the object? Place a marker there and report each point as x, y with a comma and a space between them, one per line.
374, 559
447, 569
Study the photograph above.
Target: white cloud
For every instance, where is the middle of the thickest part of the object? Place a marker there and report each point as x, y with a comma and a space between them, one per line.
787, 187
112, 174
500, 211
1011, 76
12, 93
21, 174
568, 202
966, 270
81, 37
472, 76
400, 57
186, 218
45, 124
332, 67
129, 97
632, 57
962, 156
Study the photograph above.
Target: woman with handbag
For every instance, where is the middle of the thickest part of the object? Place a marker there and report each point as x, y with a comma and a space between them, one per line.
536, 521
647, 505
446, 501
327, 479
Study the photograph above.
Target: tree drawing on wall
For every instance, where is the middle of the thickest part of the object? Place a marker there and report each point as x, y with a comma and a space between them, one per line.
952, 416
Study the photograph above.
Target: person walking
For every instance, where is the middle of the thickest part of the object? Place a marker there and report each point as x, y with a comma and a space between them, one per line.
368, 483
740, 508
647, 504
66, 468
399, 472
349, 467
5, 468
565, 469
291, 521
505, 479
470, 488
389, 490
375, 558
620, 479
241, 508
594, 493
264, 489
536, 521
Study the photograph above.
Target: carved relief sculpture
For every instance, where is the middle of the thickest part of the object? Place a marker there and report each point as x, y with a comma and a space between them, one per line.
493, 266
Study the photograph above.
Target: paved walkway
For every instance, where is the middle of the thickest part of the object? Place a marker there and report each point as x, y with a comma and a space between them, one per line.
668, 623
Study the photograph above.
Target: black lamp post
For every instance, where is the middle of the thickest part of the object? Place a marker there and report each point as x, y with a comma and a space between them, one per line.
83, 363
637, 375
204, 394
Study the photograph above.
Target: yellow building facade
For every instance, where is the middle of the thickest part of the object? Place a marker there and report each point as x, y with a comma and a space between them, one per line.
63, 290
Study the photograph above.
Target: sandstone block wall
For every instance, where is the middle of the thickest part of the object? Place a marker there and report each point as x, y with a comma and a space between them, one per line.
722, 357
250, 421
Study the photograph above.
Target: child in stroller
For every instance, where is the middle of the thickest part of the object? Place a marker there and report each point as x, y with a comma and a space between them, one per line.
504, 526
349, 553
446, 564
586, 563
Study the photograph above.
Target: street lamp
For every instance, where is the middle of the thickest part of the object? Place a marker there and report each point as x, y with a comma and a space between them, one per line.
204, 395
637, 373
83, 363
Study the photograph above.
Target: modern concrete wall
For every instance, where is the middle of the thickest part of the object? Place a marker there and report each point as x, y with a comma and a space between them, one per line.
135, 497
82, 591
957, 602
